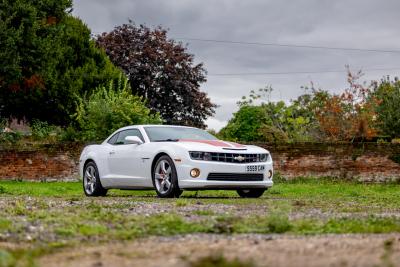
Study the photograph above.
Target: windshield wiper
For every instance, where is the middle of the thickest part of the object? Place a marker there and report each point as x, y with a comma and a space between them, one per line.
166, 140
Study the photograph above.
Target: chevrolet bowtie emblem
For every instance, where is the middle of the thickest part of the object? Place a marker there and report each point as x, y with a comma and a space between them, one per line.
239, 158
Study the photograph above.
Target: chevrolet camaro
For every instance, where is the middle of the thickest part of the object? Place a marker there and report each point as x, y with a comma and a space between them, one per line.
170, 159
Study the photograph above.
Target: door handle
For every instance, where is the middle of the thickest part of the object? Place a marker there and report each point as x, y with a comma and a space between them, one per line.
111, 152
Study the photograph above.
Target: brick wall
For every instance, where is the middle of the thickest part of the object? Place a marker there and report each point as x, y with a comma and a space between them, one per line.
359, 161
367, 162
45, 162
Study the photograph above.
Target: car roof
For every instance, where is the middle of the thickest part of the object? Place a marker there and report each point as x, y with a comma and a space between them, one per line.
153, 125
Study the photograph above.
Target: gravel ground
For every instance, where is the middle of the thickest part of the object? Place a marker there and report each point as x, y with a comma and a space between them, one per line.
263, 250
189, 210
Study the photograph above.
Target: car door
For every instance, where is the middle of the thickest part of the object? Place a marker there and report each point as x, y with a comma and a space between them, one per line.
125, 160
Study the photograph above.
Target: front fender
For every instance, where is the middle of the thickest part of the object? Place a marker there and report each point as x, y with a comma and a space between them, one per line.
94, 154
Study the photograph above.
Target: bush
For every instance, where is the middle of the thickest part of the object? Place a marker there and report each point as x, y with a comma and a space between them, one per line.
8, 137
70, 133
42, 130
387, 92
110, 108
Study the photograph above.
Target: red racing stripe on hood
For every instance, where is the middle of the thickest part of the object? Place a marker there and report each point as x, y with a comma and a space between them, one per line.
214, 143
236, 145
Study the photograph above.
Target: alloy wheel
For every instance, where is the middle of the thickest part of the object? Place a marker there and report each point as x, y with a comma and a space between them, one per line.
90, 180
162, 176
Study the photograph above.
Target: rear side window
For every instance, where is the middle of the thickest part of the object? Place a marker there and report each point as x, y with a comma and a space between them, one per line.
120, 140
113, 139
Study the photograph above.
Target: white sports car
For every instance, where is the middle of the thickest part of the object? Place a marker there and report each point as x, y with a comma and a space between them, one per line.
170, 159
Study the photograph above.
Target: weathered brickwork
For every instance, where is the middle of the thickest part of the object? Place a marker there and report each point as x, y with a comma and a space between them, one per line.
367, 162
40, 162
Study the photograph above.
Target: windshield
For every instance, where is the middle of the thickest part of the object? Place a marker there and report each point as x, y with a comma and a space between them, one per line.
157, 134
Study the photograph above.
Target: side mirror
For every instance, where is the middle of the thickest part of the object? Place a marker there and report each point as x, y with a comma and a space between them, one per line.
133, 140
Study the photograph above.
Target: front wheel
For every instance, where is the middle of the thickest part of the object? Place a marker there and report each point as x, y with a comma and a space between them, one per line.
91, 181
251, 193
165, 178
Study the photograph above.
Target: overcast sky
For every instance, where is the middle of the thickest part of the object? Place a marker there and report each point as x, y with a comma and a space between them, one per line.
367, 24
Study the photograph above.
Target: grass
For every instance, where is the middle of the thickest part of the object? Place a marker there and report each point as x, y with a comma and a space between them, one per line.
49, 215
323, 194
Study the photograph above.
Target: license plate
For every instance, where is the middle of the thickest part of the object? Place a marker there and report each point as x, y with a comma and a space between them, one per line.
255, 168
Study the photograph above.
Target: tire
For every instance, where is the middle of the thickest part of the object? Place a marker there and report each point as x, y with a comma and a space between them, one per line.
251, 193
91, 181
165, 178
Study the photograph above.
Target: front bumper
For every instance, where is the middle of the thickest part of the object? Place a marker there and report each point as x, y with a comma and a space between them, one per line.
206, 167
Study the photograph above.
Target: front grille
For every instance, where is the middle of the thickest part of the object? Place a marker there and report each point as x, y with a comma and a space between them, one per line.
220, 176
235, 158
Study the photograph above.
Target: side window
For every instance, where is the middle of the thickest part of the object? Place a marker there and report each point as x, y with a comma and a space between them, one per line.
131, 132
113, 139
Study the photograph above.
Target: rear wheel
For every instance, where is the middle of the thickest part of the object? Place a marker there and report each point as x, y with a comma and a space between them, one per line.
251, 193
91, 181
165, 178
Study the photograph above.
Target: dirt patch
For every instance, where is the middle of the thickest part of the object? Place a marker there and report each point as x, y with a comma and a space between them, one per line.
263, 250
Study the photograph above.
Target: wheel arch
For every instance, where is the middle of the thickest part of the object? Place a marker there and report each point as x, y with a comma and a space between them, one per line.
87, 161
159, 155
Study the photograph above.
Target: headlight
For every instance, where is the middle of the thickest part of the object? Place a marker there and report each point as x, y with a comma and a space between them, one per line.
197, 155
263, 157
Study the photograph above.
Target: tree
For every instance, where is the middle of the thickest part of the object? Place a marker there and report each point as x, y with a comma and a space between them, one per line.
47, 60
161, 71
269, 121
245, 124
387, 93
350, 115
110, 108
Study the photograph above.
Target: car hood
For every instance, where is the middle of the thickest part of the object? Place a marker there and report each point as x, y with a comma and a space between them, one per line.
218, 146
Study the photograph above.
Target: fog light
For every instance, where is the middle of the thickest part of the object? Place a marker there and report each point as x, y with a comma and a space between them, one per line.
269, 174
195, 173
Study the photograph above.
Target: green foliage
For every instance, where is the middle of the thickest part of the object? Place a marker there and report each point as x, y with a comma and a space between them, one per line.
42, 130
110, 108
387, 93
286, 123
245, 124
47, 59
8, 137
270, 121
70, 133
